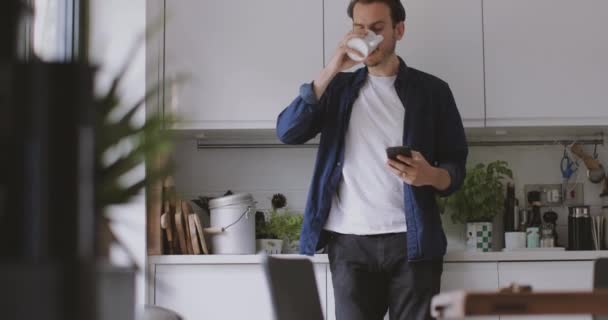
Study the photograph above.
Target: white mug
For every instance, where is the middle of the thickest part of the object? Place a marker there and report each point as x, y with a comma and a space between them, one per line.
365, 45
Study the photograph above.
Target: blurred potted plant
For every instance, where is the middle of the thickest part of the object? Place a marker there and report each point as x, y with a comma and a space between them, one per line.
125, 142
149, 143
280, 231
479, 200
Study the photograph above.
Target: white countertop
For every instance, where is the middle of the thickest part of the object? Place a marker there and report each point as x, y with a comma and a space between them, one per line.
455, 256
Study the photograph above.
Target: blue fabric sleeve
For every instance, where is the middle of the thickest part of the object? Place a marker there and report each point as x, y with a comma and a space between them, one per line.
303, 118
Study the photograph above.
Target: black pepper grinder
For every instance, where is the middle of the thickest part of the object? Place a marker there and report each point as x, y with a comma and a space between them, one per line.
550, 217
534, 201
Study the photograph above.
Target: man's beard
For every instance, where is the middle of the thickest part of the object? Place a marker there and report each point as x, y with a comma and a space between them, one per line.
385, 55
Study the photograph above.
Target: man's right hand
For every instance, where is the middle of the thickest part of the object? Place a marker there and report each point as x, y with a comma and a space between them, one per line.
338, 63
340, 60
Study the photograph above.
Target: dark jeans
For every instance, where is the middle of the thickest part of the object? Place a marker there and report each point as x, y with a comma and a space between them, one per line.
371, 275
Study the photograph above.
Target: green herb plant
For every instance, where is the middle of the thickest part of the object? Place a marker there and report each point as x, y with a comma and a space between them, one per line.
281, 223
482, 195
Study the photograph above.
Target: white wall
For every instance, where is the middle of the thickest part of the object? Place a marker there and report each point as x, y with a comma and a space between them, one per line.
115, 26
263, 172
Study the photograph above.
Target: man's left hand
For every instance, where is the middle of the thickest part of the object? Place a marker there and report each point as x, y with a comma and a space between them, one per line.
416, 171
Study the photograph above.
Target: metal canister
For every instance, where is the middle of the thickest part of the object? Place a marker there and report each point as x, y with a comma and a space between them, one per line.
579, 228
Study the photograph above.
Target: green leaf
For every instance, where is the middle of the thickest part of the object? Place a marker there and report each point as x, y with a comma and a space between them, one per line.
482, 194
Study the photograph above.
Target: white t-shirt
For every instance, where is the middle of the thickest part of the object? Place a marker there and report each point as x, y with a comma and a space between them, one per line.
369, 199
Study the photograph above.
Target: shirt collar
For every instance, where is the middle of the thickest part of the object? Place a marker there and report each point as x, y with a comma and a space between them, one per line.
361, 75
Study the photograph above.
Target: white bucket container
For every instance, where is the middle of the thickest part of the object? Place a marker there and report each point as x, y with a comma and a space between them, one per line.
235, 216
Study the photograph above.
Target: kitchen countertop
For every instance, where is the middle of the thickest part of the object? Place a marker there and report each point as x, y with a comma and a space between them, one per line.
454, 256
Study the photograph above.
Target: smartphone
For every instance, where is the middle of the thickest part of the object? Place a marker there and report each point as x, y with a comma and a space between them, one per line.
393, 152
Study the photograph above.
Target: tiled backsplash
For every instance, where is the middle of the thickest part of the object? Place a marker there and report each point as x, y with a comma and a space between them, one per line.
264, 172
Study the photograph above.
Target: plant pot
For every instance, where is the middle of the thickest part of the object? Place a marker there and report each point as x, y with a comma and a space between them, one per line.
270, 246
116, 290
479, 236
291, 247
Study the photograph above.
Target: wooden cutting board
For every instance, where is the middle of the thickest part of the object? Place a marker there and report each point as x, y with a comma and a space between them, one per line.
459, 304
180, 230
201, 234
196, 248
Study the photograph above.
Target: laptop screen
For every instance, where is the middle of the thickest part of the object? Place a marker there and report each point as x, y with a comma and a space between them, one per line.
293, 289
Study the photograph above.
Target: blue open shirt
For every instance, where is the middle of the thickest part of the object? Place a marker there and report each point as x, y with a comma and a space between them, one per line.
432, 127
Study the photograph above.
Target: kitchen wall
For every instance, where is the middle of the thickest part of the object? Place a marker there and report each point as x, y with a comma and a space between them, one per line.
263, 172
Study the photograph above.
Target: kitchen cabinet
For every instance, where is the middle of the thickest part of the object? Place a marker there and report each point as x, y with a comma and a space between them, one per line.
548, 276
443, 38
508, 63
245, 60
234, 286
227, 292
456, 276
545, 62
481, 276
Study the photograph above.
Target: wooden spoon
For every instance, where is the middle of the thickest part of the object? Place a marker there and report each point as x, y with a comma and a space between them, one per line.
595, 170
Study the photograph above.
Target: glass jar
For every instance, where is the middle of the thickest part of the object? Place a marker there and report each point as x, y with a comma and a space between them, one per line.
532, 237
547, 239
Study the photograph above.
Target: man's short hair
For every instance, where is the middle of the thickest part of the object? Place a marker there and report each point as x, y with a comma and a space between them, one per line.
397, 10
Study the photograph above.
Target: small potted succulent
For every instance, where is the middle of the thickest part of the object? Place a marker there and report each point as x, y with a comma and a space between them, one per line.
479, 200
279, 230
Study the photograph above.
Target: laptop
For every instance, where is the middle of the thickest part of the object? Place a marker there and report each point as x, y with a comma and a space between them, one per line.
293, 289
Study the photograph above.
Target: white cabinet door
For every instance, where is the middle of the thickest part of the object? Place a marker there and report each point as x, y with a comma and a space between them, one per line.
481, 276
546, 62
245, 59
548, 276
442, 37
227, 292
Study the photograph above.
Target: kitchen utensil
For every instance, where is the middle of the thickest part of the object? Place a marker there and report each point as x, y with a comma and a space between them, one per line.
597, 227
196, 248
185, 212
523, 219
509, 216
165, 224
534, 201
179, 226
550, 219
595, 170
201, 234
568, 167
